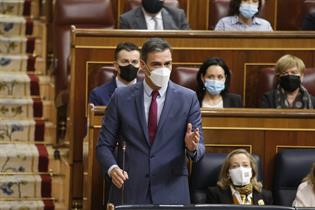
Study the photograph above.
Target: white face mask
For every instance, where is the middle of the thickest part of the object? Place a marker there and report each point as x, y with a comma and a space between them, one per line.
241, 176
160, 76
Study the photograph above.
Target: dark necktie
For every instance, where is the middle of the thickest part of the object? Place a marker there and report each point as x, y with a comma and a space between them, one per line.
152, 119
156, 23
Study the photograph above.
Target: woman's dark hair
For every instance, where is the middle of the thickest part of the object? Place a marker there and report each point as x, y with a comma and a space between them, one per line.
201, 91
235, 7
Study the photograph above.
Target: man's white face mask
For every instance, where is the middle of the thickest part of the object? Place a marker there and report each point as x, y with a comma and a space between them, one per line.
160, 76
241, 175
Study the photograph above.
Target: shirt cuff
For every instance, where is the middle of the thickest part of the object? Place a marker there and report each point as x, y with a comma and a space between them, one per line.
110, 169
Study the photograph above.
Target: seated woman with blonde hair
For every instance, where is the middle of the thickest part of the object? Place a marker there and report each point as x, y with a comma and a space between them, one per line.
289, 91
238, 183
305, 196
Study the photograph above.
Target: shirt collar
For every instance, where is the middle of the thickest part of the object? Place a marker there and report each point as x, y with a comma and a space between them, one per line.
121, 84
236, 192
236, 20
148, 16
148, 90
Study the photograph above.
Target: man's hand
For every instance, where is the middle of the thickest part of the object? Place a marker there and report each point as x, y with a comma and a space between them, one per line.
118, 177
191, 138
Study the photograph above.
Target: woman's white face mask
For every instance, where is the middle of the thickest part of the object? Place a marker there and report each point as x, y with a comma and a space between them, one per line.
240, 176
160, 76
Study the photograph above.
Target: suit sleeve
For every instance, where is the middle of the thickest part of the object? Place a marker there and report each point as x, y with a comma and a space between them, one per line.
93, 98
123, 23
194, 118
212, 197
108, 135
265, 102
183, 21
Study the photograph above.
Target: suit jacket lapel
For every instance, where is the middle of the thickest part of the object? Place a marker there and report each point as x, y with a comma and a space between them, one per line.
139, 21
140, 110
256, 197
168, 22
227, 196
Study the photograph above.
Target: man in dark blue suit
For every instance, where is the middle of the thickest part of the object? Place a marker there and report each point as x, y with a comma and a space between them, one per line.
127, 63
159, 124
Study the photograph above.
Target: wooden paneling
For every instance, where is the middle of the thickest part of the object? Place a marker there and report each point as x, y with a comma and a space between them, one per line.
262, 132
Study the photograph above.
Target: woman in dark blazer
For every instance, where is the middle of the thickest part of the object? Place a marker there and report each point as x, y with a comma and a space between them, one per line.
289, 91
238, 182
213, 81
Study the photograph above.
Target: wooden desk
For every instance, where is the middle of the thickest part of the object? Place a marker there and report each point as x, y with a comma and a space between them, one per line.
263, 132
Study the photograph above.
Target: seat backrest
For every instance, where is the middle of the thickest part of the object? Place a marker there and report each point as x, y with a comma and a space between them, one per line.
217, 10
93, 13
185, 76
292, 165
292, 20
205, 174
267, 82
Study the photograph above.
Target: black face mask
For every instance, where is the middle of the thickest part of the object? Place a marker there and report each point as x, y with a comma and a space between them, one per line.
128, 72
290, 82
152, 6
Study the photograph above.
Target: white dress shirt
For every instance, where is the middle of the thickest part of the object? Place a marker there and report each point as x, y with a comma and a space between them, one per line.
150, 21
121, 84
147, 100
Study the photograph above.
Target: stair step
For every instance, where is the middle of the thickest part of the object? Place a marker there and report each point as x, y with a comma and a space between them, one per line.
30, 205
21, 46
21, 85
30, 158
27, 131
21, 26
25, 186
22, 63
20, 7
28, 108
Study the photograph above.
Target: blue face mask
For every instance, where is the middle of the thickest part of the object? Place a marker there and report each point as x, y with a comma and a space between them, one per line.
248, 10
214, 87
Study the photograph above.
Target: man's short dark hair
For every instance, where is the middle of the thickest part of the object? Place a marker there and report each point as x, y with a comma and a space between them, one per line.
154, 45
128, 46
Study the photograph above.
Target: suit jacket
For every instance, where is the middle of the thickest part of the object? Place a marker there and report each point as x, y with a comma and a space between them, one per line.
161, 168
309, 22
217, 195
231, 100
268, 100
173, 19
100, 95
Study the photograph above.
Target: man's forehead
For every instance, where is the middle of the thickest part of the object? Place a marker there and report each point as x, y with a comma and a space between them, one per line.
163, 55
126, 53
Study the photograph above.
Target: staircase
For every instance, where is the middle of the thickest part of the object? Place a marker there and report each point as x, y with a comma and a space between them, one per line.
33, 172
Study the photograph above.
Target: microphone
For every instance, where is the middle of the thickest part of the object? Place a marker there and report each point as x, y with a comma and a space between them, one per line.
124, 147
